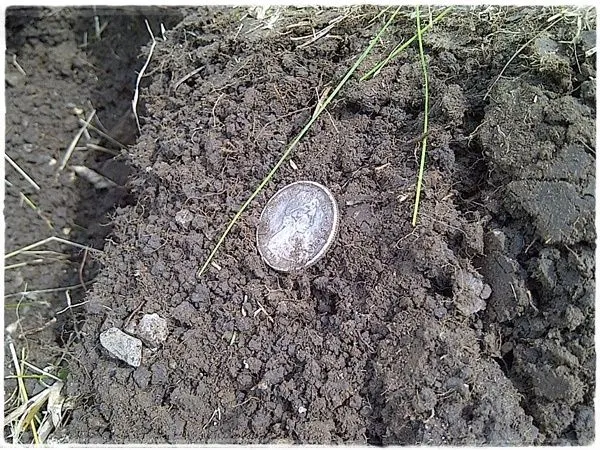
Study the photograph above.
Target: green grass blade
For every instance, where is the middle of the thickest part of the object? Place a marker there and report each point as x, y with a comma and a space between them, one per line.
320, 109
425, 120
401, 47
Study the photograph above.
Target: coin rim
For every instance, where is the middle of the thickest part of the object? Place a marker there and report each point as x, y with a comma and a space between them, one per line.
330, 239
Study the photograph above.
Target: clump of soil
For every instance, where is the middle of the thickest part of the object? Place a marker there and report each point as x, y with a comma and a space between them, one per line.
546, 161
475, 327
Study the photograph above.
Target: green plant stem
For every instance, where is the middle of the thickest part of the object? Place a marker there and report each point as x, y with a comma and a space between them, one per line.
400, 47
315, 116
425, 121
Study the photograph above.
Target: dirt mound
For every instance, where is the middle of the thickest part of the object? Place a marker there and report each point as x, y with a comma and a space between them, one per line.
474, 328
545, 160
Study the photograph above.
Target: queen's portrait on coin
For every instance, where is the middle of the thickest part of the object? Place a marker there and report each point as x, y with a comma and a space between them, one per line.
297, 226
290, 240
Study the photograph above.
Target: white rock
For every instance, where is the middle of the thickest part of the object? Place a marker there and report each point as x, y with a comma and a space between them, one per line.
122, 346
152, 329
184, 217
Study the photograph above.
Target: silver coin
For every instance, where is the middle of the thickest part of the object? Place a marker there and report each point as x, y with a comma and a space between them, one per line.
297, 226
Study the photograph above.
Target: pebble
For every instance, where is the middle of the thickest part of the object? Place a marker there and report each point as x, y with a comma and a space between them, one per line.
122, 346
184, 217
152, 329
14, 79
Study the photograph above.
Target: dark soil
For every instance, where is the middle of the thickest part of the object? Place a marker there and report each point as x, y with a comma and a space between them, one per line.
476, 327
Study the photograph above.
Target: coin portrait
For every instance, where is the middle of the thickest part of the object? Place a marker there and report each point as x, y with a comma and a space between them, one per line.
297, 226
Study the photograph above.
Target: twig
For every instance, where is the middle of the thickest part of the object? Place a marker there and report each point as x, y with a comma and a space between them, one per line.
381, 13
58, 255
425, 120
133, 313
50, 239
75, 141
294, 143
320, 100
21, 172
139, 78
33, 206
214, 107
249, 399
69, 306
81, 117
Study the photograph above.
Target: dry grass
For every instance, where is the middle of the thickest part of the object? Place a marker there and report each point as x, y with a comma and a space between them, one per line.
31, 419
136, 93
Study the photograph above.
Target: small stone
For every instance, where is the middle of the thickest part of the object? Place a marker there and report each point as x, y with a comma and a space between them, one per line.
14, 79
302, 410
546, 46
440, 312
122, 346
486, 291
184, 217
152, 329
574, 317
470, 292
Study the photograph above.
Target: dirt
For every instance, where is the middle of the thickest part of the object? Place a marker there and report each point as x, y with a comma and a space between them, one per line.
474, 328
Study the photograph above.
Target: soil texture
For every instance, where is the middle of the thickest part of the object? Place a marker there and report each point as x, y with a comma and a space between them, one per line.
476, 327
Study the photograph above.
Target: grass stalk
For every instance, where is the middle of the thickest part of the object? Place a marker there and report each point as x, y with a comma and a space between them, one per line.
19, 373
425, 120
401, 47
34, 207
136, 93
42, 291
320, 108
75, 140
50, 239
22, 172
